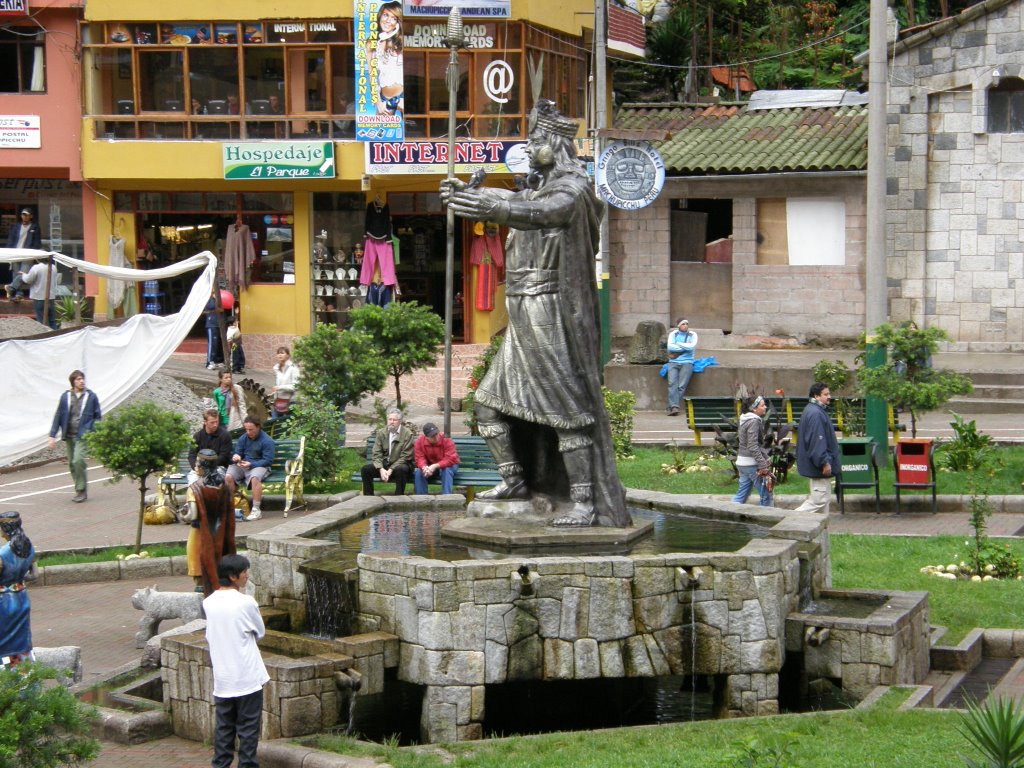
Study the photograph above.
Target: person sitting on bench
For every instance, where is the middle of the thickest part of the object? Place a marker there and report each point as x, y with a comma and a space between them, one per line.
392, 458
436, 459
254, 454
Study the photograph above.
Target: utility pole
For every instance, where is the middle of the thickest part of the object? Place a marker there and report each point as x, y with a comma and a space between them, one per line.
603, 275
876, 305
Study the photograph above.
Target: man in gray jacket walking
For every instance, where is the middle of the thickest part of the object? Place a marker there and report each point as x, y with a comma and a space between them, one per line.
817, 451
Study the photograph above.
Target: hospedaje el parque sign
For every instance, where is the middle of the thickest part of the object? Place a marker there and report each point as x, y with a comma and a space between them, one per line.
279, 160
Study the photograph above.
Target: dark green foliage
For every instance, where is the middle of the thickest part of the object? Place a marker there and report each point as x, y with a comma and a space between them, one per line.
907, 380
969, 450
338, 367
321, 423
137, 441
475, 377
41, 724
621, 407
405, 335
996, 730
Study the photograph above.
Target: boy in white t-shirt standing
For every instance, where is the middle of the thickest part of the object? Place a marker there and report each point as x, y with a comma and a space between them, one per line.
233, 625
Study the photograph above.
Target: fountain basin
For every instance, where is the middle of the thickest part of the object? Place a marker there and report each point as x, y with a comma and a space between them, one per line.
887, 643
466, 624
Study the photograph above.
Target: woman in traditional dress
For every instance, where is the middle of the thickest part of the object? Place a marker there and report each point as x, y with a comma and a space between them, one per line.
16, 556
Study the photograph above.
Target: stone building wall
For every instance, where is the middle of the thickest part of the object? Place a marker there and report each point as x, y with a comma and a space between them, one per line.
955, 193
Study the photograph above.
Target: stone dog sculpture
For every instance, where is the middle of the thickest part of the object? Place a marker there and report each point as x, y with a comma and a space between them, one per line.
540, 406
158, 606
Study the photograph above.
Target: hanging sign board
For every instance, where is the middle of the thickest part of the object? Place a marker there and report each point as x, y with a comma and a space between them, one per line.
13, 7
20, 132
630, 174
380, 71
412, 157
279, 160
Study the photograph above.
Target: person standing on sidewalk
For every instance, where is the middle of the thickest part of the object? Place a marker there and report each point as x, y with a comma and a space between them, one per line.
25, 234
77, 413
817, 451
233, 626
681, 344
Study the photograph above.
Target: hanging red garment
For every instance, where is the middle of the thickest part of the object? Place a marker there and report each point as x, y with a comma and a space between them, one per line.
487, 253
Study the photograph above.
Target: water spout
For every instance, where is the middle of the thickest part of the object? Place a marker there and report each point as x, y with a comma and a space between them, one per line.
688, 577
524, 583
816, 636
348, 680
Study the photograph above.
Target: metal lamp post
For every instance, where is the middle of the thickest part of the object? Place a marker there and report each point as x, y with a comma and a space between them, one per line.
454, 40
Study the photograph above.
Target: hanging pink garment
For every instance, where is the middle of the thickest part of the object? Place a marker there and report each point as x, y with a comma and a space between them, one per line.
239, 255
378, 253
486, 252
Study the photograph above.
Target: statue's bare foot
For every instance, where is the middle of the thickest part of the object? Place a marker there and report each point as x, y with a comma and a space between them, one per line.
580, 516
513, 489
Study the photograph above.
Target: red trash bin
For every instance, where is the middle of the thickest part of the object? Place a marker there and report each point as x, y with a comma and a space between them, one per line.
915, 468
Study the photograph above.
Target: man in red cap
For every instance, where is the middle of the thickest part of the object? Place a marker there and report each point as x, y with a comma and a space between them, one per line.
436, 459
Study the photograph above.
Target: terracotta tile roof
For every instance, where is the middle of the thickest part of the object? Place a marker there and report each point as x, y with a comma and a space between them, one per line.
729, 139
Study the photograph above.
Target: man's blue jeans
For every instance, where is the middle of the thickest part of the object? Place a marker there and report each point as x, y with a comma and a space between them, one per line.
678, 380
38, 304
748, 480
445, 474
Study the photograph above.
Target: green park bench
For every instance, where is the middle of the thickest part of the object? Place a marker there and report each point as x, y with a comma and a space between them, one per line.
704, 414
286, 468
846, 412
477, 467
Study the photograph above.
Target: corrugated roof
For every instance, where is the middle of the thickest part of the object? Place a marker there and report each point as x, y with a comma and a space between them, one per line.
728, 139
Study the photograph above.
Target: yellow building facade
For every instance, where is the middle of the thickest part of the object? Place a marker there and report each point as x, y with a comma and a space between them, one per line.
230, 128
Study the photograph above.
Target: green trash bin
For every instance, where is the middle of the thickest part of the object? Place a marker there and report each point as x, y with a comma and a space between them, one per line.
859, 468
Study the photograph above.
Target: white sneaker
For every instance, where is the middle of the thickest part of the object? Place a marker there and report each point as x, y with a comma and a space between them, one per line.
256, 514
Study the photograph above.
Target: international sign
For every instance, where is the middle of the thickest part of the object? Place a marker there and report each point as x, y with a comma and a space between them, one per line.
13, 7
280, 160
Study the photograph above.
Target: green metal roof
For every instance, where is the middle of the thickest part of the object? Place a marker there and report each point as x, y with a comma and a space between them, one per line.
729, 139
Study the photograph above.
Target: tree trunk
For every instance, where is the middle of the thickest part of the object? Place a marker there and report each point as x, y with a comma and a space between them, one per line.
398, 392
142, 512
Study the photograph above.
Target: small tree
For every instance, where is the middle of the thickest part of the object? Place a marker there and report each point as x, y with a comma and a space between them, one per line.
340, 367
406, 335
836, 376
907, 380
42, 725
321, 423
137, 441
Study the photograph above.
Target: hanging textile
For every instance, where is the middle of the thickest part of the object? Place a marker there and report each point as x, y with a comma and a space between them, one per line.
117, 359
239, 254
115, 258
486, 252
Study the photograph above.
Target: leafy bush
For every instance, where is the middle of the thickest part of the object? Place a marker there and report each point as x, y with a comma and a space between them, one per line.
338, 366
41, 724
621, 407
475, 377
969, 450
907, 380
322, 424
137, 441
406, 336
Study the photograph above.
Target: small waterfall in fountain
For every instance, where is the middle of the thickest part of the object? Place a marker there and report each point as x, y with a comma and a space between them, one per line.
693, 659
328, 604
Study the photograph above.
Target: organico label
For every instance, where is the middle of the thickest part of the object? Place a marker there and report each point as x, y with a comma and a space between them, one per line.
855, 468
291, 160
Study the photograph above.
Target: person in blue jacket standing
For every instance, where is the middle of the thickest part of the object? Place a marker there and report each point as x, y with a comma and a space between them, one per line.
77, 413
681, 344
817, 450
16, 558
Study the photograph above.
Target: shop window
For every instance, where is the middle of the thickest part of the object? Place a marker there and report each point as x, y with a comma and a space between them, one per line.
161, 81
307, 80
498, 75
212, 76
22, 60
1006, 106
264, 72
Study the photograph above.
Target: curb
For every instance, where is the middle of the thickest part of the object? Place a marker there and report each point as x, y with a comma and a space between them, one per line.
283, 753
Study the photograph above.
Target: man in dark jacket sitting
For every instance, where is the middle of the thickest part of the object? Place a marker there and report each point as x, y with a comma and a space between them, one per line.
817, 451
211, 436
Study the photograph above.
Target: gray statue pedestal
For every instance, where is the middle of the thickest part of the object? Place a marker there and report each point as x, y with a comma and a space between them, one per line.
524, 527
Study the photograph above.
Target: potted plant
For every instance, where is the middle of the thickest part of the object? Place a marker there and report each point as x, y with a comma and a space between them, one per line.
65, 307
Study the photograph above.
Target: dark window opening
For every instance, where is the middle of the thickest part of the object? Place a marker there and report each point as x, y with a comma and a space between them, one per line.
701, 230
22, 60
1006, 106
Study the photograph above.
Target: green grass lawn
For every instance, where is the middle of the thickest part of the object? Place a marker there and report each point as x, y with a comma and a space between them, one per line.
111, 553
879, 737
